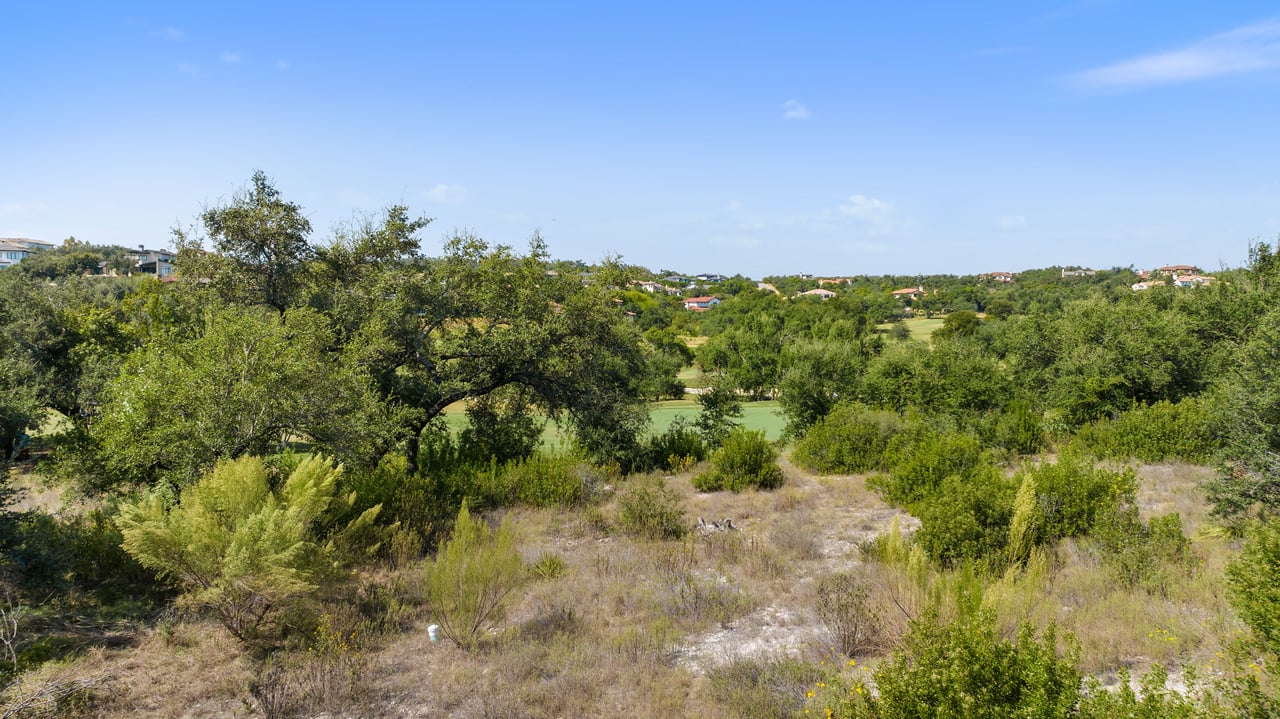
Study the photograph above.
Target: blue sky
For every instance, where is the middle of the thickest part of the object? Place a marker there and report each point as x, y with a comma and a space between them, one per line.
754, 138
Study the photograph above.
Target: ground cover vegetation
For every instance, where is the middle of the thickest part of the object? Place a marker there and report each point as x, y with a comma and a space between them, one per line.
236, 490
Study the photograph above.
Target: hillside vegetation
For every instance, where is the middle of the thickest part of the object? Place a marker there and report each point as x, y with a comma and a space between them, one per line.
349, 479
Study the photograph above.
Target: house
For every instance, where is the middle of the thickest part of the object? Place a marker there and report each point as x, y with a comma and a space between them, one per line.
1179, 270
154, 262
999, 276
709, 277
654, 288
1140, 286
824, 294
909, 293
1191, 280
1078, 273
16, 249
700, 304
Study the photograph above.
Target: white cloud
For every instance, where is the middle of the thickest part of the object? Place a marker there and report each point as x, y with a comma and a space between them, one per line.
793, 110
172, 33
1247, 49
187, 68
865, 207
447, 194
231, 58
282, 64
12, 208
1009, 222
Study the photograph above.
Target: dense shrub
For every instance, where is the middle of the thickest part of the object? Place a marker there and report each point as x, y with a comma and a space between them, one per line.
541, 480
1018, 429
850, 439
745, 460
678, 447
1252, 585
920, 457
966, 517
1073, 493
1187, 430
648, 508
966, 670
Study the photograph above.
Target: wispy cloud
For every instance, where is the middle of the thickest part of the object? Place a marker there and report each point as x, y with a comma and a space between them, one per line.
1251, 48
12, 208
794, 110
282, 64
1011, 222
864, 207
172, 33
231, 58
187, 68
446, 194
860, 216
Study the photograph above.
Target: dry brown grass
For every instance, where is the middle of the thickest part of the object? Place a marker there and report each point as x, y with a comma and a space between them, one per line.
631, 627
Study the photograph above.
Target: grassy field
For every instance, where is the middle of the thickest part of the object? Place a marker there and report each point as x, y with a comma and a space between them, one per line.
755, 415
920, 327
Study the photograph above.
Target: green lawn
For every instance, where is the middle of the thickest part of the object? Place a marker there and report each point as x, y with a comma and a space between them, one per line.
920, 327
755, 415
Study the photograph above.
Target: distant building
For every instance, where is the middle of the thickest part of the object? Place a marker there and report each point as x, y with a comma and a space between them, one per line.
154, 262
909, 293
709, 277
999, 276
16, 249
1078, 273
700, 304
1179, 270
1146, 285
656, 288
1191, 280
824, 294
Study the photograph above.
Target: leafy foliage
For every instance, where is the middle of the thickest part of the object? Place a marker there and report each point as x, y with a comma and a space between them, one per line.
746, 460
850, 439
964, 669
473, 575
239, 549
1254, 589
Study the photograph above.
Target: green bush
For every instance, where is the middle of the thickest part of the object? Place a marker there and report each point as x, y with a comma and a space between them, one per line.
1253, 582
965, 670
542, 480
966, 518
681, 445
474, 573
850, 439
1018, 429
1187, 430
1073, 493
920, 457
745, 460
648, 508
